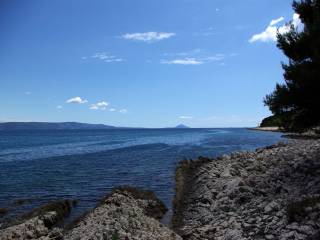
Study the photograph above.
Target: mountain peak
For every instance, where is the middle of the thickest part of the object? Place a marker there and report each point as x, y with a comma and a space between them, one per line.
181, 126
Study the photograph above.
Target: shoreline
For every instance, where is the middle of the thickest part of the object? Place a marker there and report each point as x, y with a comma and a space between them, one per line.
240, 196
270, 193
125, 213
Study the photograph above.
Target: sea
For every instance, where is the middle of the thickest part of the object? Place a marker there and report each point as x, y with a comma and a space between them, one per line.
40, 166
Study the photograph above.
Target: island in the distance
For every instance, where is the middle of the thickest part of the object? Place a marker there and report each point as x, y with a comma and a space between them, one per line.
182, 126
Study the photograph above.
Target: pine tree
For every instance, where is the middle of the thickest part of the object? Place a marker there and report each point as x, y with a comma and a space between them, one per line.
297, 101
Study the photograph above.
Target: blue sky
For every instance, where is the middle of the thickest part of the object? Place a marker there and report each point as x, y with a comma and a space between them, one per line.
143, 63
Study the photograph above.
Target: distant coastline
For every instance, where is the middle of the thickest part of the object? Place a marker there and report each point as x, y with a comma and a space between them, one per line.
5, 126
9, 126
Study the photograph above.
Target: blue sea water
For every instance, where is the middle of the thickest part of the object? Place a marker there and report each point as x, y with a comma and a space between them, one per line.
41, 166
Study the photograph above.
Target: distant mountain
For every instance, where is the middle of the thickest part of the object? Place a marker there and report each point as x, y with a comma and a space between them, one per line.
50, 126
182, 126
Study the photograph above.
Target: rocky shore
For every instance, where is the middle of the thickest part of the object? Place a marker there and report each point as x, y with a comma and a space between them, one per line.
272, 193
126, 213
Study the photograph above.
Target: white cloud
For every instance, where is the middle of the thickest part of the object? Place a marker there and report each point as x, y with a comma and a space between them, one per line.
112, 109
275, 21
148, 36
123, 111
270, 34
77, 100
197, 59
185, 61
296, 21
99, 106
102, 104
59, 107
104, 56
185, 117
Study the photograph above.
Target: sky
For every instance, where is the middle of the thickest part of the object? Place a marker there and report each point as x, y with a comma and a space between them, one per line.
141, 63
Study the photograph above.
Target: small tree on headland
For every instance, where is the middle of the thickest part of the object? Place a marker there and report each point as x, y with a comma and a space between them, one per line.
296, 103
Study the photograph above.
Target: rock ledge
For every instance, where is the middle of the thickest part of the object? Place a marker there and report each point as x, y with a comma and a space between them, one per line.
272, 193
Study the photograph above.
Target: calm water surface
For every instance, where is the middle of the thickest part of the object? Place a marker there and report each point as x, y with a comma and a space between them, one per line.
42, 166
